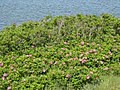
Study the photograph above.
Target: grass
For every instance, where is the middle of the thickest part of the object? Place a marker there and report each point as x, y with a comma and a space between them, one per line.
108, 83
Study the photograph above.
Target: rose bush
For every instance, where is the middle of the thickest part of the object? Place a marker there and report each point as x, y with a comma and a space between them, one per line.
62, 50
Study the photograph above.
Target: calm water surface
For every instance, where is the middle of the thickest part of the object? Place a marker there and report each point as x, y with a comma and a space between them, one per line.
17, 11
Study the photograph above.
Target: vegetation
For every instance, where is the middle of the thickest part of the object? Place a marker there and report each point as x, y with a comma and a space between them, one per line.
61, 51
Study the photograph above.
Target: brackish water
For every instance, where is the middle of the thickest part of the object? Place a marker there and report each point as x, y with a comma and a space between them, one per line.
18, 11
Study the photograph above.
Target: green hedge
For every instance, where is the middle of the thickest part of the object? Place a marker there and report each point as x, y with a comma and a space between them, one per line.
60, 50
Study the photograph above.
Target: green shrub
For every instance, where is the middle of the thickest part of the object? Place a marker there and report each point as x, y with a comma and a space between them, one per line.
60, 50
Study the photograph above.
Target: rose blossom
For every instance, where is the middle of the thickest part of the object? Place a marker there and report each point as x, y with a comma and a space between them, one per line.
1, 64
91, 51
5, 75
91, 72
29, 55
9, 88
3, 78
51, 62
82, 43
65, 42
87, 77
11, 66
63, 48
68, 75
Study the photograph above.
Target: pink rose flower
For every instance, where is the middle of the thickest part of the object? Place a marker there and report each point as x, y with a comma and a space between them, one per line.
56, 63
65, 43
68, 75
67, 55
81, 54
70, 53
110, 53
106, 68
33, 46
91, 51
51, 62
14, 70
9, 88
29, 55
87, 77
3, 78
11, 66
75, 58
1, 64
82, 60
87, 53
63, 63
63, 48
91, 72
5, 75
12, 57
82, 43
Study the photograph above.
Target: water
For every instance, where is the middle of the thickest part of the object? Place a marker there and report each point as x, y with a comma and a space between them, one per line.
18, 11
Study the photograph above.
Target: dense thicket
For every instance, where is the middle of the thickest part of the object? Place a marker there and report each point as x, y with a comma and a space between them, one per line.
60, 50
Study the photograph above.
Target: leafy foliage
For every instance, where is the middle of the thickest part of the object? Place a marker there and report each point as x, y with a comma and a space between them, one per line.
60, 50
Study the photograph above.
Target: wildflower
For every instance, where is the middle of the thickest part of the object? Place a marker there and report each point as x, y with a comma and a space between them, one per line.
67, 55
82, 60
51, 62
61, 52
5, 75
94, 50
114, 40
101, 62
115, 49
70, 53
91, 72
88, 43
106, 68
63, 48
63, 63
32, 46
1, 64
14, 70
91, 51
98, 44
93, 43
75, 58
95, 53
12, 57
63, 72
11, 66
65, 43
68, 75
87, 53
9, 88
105, 56
71, 59
110, 53
82, 43
95, 59
87, 77
81, 54
44, 70
71, 67
55, 62
29, 55
3, 78
55, 52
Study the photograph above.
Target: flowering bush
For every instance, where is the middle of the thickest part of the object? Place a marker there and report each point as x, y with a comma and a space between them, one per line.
59, 50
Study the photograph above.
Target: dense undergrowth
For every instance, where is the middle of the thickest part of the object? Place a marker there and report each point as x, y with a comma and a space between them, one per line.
59, 51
